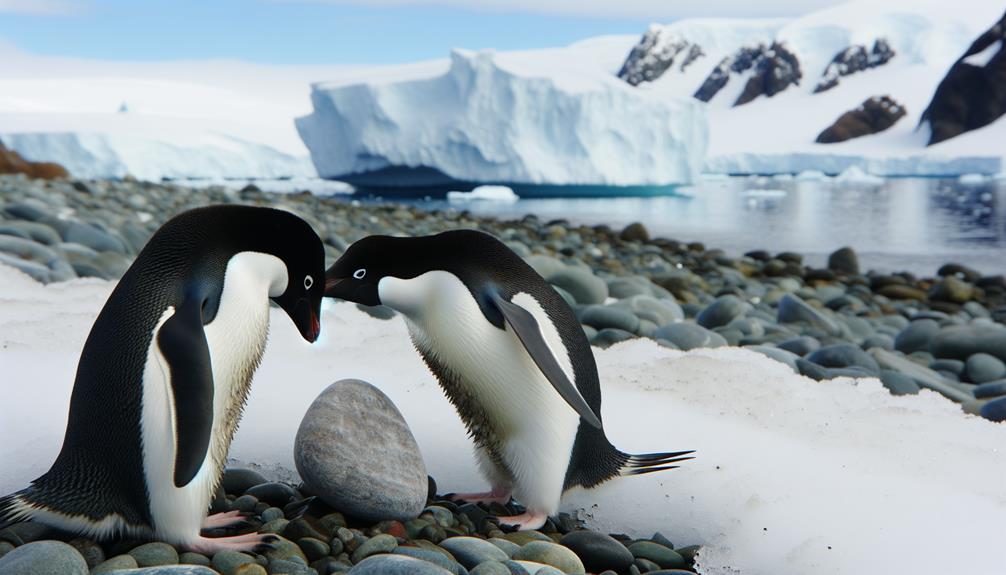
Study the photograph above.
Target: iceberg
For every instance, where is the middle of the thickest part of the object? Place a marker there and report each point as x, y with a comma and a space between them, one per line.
526, 118
485, 194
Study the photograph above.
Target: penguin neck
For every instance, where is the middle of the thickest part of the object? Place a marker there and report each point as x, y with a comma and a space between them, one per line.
420, 296
259, 271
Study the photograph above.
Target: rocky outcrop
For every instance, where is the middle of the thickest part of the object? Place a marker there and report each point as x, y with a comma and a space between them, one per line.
656, 52
973, 93
854, 59
772, 69
11, 162
874, 115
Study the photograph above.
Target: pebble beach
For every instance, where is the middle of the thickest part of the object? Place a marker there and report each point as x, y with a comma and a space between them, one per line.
944, 333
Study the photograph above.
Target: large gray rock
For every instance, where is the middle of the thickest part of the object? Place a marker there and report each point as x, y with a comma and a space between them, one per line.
44, 558
583, 285
793, 309
689, 336
396, 565
355, 451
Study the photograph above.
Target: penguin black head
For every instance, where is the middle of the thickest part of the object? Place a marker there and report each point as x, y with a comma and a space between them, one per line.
220, 232
356, 275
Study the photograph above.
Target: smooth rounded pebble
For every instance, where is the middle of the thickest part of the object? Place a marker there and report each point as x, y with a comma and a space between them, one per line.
659, 554
396, 565
585, 287
116, 563
470, 551
238, 480
227, 562
435, 557
355, 451
689, 336
154, 554
982, 368
598, 551
553, 554
44, 558
382, 543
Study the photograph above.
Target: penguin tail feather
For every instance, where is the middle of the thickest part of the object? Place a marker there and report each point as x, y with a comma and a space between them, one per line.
642, 463
9, 510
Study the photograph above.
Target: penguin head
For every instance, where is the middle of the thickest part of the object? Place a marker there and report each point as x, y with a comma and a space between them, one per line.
300, 248
357, 274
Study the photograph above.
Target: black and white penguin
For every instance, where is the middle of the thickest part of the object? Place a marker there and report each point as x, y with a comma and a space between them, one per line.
509, 354
164, 375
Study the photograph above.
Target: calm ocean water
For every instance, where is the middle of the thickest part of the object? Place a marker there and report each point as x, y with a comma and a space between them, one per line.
911, 224
908, 224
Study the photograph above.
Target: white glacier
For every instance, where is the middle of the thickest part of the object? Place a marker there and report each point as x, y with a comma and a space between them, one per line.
542, 117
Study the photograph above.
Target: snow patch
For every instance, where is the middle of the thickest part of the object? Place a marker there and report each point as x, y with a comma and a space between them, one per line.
791, 475
485, 194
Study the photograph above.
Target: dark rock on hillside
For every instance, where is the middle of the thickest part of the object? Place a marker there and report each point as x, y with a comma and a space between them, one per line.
11, 162
854, 59
655, 53
774, 68
874, 115
973, 93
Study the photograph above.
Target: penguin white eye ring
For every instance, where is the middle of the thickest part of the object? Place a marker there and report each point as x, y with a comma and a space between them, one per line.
308, 282
360, 273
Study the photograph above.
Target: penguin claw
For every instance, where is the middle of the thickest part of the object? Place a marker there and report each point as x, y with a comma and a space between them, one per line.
261, 548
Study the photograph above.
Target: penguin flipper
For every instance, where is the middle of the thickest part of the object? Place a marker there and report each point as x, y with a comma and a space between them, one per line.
182, 341
529, 334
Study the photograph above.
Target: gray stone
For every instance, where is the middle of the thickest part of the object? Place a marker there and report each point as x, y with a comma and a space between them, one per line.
382, 543
396, 565
898, 383
44, 558
994, 410
544, 265
516, 568
169, 570
982, 368
36, 271
227, 562
287, 567
663, 556
780, 355
508, 547
355, 451
660, 311
553, 554
273, 493
792, 309
238, 480
844, 355
923, 376
583, 285
610, 336
688, 336
190, 558
155, 553
916, 336
535, 568
92, 237
601, 316
34, 231
490, 568
953, 366
115, 564
843, 261
29, 209
879, 340
598, 551
960, 342
434, 557
801, 345
821, 373
721, 312
990, 389
470, 551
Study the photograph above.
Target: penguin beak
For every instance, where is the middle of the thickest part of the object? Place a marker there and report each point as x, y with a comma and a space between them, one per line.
306, 320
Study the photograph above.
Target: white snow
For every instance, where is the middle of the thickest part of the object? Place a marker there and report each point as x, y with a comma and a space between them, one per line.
776, 135
792, 476
981, 59
539, 117
484, 194
853, 174
187, 119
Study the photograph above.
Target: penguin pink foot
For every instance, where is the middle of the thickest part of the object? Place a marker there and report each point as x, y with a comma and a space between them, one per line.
227, 519
501, 496
248, 542
524, 521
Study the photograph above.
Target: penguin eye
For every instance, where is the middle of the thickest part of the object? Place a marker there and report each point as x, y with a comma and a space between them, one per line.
358, 274
308, 282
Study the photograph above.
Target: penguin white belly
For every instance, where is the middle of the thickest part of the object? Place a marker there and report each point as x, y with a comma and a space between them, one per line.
535, 427
236, 339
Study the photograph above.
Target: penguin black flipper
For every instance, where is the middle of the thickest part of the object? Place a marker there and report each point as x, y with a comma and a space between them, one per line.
527, 330
183, 343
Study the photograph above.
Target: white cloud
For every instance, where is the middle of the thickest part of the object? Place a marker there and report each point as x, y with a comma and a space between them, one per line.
634, 9
39, 7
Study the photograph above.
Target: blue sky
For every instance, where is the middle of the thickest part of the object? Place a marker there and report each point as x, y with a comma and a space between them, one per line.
337, 31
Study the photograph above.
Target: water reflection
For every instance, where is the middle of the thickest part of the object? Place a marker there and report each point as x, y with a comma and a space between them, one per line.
900, 224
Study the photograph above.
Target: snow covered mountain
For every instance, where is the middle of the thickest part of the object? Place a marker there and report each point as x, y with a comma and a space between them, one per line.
773, 86
548, 117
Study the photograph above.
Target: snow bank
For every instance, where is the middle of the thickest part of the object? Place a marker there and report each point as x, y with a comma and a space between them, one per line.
792, 476
777, 135
542, 117
201, 119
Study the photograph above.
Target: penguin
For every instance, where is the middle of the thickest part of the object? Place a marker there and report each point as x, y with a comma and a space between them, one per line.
164, 375
510, 356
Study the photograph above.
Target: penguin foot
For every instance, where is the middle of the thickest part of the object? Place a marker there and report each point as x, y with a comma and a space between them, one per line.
249, 542
228, 519
487, 497
529, 520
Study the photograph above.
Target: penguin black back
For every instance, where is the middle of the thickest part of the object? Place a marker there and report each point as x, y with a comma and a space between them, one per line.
98, 473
